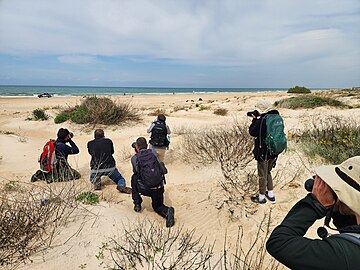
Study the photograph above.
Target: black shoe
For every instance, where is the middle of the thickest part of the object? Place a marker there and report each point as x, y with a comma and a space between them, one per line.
269, 198
137, 207
170, 220
255, 199
124, 189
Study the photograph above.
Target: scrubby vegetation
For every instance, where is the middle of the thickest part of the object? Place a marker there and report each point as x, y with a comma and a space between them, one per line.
333, 139
98, 110
308, 102
39, 114
88, 197
299, 90
30, 217
157, 112
204, 108
221, 112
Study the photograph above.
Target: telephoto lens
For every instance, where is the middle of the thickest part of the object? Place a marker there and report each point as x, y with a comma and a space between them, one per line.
309, 184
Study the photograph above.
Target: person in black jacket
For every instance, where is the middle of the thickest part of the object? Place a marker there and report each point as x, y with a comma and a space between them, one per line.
102, 162
265, 160
139, 186
159, 138
336, 195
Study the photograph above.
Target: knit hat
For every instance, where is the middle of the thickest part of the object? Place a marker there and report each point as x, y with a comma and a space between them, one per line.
344, 180
264, 106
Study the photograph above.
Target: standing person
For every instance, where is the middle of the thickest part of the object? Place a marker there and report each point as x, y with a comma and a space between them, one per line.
336, 195
102, 162
159, 141
268, 129
148, 179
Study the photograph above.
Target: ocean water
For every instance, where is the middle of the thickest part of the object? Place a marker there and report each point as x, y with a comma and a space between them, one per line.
33, 91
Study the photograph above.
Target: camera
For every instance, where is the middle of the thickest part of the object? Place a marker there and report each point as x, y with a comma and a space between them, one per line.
253, 113
309, 183
133, 145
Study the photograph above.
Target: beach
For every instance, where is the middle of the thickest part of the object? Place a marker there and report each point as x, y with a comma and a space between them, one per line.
192, 189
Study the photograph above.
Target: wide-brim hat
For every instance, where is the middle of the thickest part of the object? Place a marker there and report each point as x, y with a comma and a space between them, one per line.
344, 180
264, 106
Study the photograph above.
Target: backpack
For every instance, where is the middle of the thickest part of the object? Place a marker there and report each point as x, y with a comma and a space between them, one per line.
149, 168
352, 237
158, 134
48, 158
275, 136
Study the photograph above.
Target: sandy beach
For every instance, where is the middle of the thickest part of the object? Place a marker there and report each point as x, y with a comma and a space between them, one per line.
192, 189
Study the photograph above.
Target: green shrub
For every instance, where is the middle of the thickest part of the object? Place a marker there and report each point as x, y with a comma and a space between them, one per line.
204, 108
221, 112
39, 114
299, 90
333, 139
87, 197
308, 101
94, 110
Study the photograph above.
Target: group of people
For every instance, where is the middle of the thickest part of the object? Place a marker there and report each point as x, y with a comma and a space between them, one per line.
335, 194
148, 166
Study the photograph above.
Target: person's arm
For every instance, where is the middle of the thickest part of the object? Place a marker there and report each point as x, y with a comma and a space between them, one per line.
133, 163
151, 127
112, 147
163, 168
73, 149
88, 148
168, 130
254, 128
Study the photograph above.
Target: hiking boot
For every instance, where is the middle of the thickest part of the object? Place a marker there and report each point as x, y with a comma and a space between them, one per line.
170, 220
269, 198
256, 199
124, 189
137, 207
97, 184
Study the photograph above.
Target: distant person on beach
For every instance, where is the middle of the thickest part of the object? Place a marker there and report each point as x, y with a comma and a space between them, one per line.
159, 139
102, 162
55, 159
148, 179
268, 129
335, 195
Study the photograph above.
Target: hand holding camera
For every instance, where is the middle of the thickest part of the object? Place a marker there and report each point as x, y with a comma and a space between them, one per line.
253, 114
70, 136
322, 192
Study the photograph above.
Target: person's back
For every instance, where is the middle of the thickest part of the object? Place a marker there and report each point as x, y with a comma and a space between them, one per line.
159, 138
101, 151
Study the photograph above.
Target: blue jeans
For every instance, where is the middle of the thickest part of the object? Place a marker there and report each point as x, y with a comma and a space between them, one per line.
114, 175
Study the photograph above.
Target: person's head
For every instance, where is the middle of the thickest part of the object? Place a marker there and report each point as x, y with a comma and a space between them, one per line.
161, 117
344, 180
63, 133
263, 106
99, 133
141, 143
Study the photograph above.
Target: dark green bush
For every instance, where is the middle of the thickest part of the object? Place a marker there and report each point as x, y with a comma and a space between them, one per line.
39, 114
94, 110
333, 139
299, 90
308, 102
87, 197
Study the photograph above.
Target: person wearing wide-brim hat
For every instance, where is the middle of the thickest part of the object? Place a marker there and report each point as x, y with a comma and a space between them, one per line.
336, 195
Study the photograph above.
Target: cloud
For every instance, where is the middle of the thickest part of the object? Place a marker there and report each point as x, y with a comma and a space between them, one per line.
76, 59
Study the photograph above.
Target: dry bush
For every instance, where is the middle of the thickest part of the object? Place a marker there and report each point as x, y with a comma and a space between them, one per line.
148, 245
30, 218
157, 112
221, 112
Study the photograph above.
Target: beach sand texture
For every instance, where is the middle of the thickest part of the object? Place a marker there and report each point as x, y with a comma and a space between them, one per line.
192, 189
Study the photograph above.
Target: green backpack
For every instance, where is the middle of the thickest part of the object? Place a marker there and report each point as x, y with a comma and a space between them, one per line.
275, 136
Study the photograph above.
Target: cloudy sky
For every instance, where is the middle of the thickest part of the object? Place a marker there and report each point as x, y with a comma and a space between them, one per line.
180, 43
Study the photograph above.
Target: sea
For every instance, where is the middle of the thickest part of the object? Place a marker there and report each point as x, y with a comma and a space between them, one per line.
34, 91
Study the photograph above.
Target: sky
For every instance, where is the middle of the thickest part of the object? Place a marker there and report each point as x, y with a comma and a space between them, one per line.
180, 43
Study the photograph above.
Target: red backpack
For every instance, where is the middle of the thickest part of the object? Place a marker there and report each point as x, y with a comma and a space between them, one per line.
48, 158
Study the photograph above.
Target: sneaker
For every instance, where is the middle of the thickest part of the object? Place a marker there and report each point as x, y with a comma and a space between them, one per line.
97, 184
137, 207
255, 199
270, 198
170, 221
124, 189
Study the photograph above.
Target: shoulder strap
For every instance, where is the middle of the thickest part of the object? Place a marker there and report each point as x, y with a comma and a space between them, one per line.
351, 237
261, 124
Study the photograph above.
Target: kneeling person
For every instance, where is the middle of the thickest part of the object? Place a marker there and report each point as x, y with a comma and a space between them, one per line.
102, 162
148, 179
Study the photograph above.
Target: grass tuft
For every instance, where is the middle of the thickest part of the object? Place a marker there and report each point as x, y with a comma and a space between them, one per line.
39, 114
87, 197
221, 112
308, 102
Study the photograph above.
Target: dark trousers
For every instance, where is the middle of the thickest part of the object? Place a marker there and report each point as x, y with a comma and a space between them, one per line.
265, 178
157, 195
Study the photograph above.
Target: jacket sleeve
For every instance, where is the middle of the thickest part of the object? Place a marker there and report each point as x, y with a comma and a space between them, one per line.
163, 168
72, 149
133, 163
288, 245
168, 130
150, 128
255, 127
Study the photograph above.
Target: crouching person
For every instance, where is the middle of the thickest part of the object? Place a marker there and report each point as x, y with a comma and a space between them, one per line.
148, 179
102, 162
54, 166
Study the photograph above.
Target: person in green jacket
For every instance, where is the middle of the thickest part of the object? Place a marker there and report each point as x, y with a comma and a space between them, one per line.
335, 194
